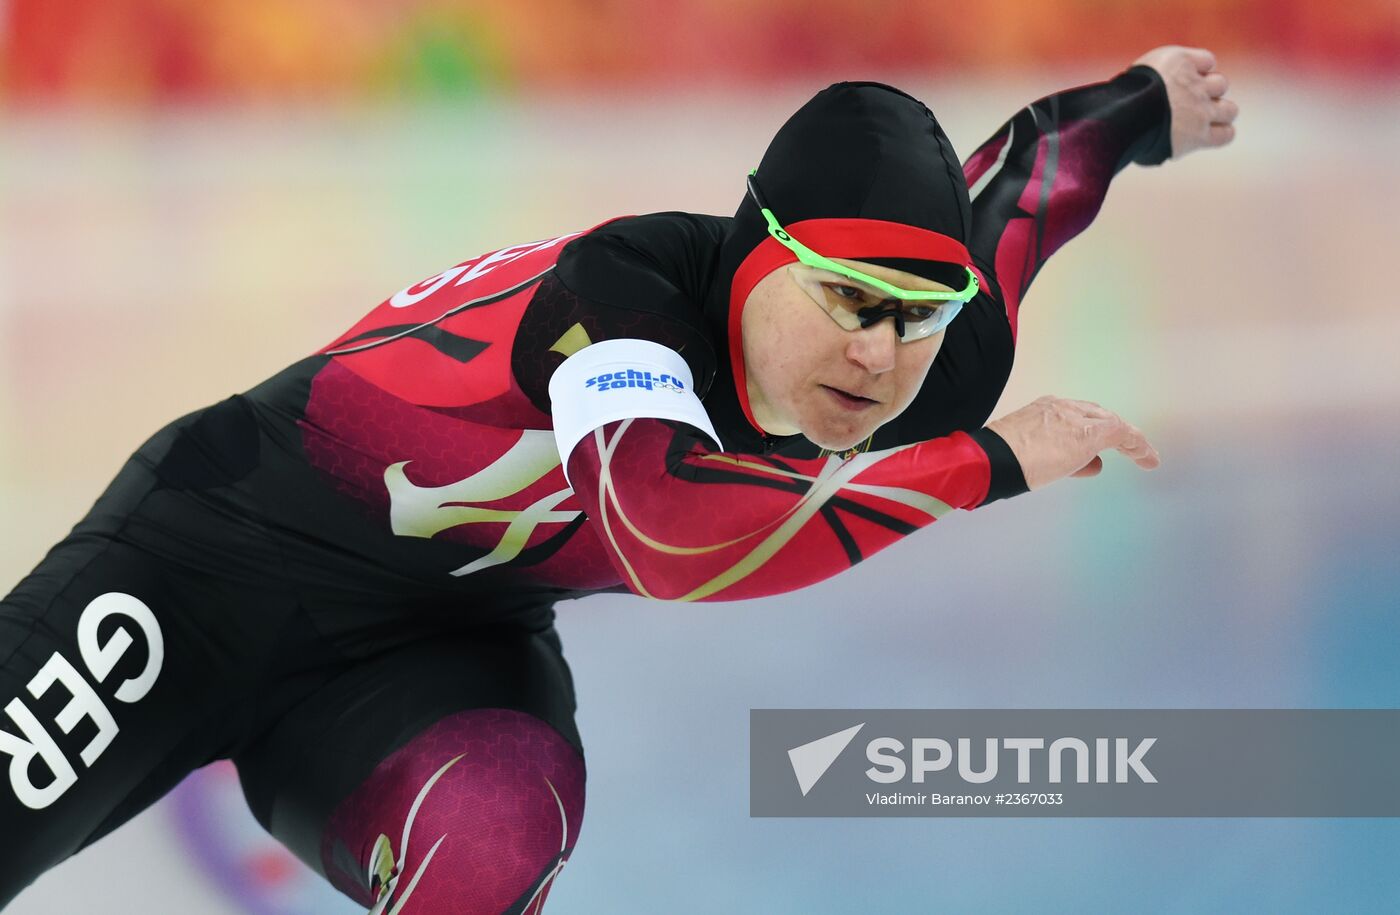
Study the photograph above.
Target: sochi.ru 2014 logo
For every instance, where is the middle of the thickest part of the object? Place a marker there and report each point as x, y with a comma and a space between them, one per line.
634, 378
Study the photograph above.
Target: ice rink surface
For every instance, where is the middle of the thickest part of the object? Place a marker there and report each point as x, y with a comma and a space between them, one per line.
1239, 306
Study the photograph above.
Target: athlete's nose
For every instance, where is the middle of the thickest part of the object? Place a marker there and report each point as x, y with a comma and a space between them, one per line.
873, 348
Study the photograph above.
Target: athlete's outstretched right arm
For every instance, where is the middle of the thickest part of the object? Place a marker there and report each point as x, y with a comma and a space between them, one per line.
684, 520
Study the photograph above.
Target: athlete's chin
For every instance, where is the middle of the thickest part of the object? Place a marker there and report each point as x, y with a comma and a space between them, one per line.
839, 436
837, 444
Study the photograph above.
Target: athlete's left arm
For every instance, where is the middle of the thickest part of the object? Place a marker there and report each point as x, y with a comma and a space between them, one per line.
1037, 183
1041, 179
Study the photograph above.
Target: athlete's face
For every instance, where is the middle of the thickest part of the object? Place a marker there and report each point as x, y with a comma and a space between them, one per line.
807, 374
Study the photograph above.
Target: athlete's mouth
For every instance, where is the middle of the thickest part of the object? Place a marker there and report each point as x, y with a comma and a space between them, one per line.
850, 401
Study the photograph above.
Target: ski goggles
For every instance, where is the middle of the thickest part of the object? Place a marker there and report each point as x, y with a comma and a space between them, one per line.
857, 300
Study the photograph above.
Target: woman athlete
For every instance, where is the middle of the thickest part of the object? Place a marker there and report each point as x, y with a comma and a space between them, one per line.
344, 579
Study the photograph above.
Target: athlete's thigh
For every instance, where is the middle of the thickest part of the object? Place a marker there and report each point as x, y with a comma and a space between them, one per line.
110, 697
447, 772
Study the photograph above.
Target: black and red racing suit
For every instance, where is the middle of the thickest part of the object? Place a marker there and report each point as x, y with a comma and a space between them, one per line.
319, 561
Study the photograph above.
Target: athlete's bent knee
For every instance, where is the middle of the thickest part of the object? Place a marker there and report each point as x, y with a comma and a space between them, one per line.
475, 814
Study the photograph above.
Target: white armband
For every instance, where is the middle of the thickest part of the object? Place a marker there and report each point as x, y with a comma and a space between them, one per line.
621, 379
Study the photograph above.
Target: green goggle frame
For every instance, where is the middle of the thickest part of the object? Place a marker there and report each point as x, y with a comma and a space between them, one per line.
812, 259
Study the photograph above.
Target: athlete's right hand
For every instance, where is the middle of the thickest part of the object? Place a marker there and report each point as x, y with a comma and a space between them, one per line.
1053, 437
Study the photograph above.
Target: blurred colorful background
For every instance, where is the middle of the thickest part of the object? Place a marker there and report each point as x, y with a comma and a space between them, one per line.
156, 51
194, 194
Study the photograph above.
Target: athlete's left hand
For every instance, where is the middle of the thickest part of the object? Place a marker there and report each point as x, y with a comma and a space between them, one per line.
1202, 117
